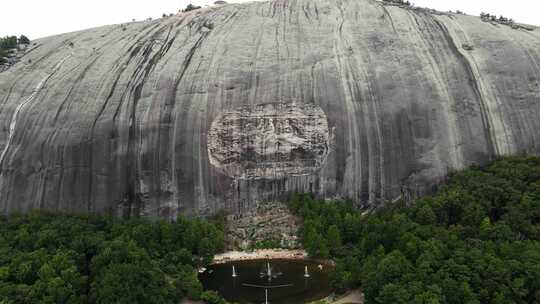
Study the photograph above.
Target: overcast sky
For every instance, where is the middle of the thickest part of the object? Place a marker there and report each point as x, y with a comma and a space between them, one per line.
40, 18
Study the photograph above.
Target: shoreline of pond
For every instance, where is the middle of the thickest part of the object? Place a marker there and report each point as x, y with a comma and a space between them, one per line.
266, 254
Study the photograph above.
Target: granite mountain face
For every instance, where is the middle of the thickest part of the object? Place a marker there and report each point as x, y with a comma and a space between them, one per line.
230, 106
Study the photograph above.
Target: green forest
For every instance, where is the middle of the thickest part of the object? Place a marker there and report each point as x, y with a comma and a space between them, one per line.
10, 42
475, 241
48, 258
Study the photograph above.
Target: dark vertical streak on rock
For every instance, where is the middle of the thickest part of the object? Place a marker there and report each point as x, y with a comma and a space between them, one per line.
77, 81
124, 125
389, 17
134, 134
188, 191
492, 147
359, 142
133, 166
118, 76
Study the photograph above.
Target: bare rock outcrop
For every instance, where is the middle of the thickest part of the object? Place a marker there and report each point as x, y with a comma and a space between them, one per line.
230, 106
269, 141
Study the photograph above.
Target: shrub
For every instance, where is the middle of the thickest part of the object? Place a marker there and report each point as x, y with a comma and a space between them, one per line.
467, 47
2, 55
9, 42
191, 7
24, 40
212, 297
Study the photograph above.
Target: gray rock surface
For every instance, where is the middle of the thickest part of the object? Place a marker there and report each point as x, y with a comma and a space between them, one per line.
118, 119
269, 141
268, 223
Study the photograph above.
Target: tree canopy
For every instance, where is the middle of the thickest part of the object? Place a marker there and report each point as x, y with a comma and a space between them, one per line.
54, 258
8, 42
476, 241
191, 7
24, 40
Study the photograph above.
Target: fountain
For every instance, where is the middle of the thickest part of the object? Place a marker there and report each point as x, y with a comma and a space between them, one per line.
269, 273
267, 281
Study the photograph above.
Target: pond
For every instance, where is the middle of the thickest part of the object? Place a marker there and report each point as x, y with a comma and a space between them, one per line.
284, 281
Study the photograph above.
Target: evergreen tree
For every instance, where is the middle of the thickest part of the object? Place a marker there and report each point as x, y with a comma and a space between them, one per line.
48, 258
476, 241
334, 239
191, 7
24, 40
9, 42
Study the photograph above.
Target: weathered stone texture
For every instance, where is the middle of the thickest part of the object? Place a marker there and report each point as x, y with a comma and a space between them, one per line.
271, 141
266, 222
126, 119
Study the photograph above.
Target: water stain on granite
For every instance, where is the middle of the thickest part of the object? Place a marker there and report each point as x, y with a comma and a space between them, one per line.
231, 106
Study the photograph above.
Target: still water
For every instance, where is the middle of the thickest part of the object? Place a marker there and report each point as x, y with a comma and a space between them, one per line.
285, 280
